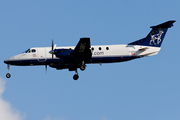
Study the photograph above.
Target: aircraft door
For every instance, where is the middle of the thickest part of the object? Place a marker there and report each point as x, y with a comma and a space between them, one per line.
42, 55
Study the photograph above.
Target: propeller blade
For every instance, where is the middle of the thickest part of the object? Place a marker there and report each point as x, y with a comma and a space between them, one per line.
52, 45
55, 46
46, 68
52, 48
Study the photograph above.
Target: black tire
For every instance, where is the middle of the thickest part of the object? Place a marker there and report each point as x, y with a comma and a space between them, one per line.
83, 67
75, 77
8, 75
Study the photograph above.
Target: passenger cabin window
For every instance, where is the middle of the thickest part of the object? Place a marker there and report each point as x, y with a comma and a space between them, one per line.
92, 48
107, 48
99, 48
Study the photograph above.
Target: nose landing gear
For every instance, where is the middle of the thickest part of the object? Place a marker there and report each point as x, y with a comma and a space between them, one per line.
8, 75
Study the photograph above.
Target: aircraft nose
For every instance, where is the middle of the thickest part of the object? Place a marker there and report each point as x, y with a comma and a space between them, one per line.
14, 60
6, 61
9, 60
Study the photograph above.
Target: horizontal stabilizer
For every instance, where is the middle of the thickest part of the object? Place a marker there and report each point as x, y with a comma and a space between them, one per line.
149, 54
143, 49
167, 24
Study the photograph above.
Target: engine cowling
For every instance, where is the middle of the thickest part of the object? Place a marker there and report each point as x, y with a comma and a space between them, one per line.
71, 67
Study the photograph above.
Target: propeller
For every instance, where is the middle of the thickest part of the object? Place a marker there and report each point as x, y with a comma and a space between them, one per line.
52, 49
51, 52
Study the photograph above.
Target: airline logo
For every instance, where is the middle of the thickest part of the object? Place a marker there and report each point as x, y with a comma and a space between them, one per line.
82, 47
156, 38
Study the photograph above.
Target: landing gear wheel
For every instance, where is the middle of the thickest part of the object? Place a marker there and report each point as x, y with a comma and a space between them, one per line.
8, 75
75, 77
83, 67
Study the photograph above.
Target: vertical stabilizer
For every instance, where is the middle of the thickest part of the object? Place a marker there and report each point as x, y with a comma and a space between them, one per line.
156, 35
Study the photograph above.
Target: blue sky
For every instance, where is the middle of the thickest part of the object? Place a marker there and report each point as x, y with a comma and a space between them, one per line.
146, 88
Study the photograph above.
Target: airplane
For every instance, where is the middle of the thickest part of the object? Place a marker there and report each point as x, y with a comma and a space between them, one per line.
74, 57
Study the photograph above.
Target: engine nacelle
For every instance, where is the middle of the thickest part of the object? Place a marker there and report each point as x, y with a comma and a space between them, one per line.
65, 66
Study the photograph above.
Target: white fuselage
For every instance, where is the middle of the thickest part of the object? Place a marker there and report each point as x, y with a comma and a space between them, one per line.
100, 54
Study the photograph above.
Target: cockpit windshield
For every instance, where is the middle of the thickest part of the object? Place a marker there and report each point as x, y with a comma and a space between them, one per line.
30, 51
27, 51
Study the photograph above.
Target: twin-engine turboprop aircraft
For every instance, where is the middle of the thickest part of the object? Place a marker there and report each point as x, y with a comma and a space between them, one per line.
83, 53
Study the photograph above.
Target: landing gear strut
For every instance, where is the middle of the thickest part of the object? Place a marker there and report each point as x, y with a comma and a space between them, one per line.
83, 66
8, 75
76, 76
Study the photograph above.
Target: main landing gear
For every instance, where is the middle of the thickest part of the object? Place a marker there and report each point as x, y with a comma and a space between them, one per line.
8, 75
82, 68
76, 76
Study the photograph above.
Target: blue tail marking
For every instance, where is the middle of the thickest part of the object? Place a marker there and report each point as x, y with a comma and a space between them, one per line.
156, 35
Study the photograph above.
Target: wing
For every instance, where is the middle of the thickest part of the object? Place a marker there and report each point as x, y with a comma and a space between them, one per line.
82, 50
80, 53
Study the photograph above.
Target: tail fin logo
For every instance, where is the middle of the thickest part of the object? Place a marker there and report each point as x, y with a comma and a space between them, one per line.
156, 38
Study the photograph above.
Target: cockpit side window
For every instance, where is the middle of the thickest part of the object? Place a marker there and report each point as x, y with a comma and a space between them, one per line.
33, 50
